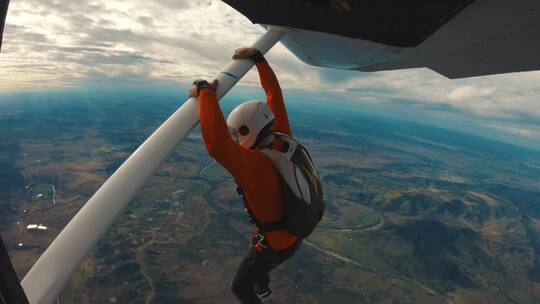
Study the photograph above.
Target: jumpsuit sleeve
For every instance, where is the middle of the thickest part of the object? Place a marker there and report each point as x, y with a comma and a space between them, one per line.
274, 98
236, 159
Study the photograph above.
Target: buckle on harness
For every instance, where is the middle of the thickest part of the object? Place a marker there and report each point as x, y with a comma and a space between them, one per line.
260, 241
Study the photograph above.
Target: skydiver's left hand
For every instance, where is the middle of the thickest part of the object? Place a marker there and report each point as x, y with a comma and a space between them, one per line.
194, 90
249, 52
244, 52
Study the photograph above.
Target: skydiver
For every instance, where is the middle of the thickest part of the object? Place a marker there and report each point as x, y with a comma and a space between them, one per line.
235, 144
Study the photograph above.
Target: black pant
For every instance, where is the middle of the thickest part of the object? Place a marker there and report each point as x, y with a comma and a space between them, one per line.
253, 271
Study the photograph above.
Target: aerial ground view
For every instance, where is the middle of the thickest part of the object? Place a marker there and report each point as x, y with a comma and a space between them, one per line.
422, 122
415, 214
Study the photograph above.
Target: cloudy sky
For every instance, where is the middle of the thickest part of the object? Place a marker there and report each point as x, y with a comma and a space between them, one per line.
50, 44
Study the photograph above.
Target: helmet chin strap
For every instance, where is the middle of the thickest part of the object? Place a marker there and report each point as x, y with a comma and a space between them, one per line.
263, 135
265, 142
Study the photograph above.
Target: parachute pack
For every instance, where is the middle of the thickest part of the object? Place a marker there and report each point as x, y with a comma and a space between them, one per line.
303, 196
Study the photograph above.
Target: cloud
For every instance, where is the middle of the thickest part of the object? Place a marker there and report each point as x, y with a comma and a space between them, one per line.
163, 39
468, 92
533, 134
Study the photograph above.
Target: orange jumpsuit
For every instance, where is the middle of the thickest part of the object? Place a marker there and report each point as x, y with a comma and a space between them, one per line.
253, 172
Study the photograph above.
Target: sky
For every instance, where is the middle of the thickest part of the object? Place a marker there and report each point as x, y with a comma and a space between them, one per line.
55, 45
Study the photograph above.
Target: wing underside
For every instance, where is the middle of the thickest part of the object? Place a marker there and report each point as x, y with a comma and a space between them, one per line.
398, 23
489, 37
454, 38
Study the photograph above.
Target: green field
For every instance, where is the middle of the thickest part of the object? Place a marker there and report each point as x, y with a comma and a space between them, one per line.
42, 192
350, 215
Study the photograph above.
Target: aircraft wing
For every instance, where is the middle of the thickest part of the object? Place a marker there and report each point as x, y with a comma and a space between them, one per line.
3, 12
456, 38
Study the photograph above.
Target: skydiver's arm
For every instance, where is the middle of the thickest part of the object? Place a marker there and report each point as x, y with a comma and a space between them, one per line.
219, 143
274, 97
214, 127
270, 84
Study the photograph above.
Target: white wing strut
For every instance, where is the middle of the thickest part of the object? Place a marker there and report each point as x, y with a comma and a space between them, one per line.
52, 271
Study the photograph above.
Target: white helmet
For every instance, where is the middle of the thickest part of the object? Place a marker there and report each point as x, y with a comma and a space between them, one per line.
247, 120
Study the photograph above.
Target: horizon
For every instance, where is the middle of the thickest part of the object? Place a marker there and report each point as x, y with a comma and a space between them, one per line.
47, 47
294, 101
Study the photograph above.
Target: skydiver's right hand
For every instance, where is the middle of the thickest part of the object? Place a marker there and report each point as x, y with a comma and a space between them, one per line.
200, 84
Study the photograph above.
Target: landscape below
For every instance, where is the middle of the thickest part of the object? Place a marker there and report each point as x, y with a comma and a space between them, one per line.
415, 214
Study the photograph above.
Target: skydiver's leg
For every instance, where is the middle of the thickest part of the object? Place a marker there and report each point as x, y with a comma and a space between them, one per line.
249, 272
272, 259
254, 270
264, 284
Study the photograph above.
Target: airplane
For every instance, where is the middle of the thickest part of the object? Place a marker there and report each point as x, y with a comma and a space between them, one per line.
456, 38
